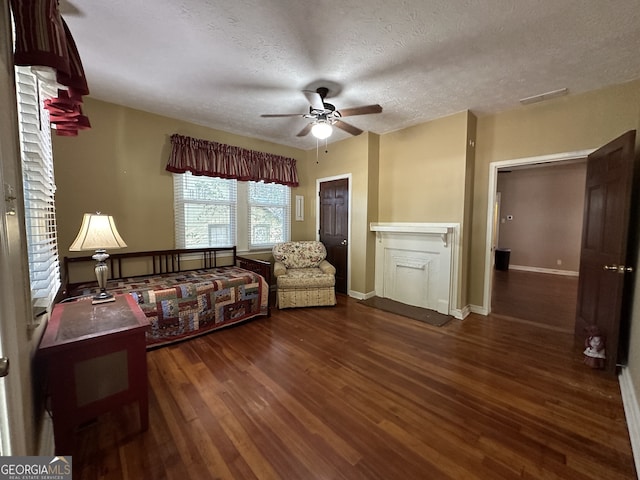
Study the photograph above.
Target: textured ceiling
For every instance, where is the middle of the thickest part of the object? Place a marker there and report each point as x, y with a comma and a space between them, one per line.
223, 63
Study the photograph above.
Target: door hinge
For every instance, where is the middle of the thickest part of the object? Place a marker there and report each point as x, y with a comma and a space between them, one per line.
4, 367
10, 199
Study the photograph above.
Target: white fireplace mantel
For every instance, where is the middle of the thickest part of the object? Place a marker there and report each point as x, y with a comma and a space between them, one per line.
416, 263
441, 229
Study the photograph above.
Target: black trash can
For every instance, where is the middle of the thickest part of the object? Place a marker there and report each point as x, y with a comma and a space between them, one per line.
502, 258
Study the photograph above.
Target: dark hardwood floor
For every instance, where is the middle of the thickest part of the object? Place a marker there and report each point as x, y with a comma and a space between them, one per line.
545, 299
350, 392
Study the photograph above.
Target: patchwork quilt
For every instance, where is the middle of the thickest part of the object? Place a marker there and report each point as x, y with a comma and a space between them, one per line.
181, 305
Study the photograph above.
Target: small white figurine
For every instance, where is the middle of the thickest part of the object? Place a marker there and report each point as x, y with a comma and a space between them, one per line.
594, 354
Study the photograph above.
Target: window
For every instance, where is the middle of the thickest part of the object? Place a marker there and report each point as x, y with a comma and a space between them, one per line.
205, 211
269, 213
39, 189
216, 212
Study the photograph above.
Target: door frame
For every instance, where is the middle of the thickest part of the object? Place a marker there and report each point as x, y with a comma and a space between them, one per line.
348, 176
491, 199
15, 388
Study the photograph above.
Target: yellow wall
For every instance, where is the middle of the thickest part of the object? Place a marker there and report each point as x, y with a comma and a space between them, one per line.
425, 174
422, 172
347, 157
118, 167
465, 277
373, 210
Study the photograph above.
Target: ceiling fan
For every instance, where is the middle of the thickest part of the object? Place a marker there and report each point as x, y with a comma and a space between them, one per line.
325, 116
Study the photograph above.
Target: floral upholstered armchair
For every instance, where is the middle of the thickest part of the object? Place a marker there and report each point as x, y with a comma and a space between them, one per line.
304, 277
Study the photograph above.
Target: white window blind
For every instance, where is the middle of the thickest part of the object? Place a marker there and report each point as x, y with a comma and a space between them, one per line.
39, 189
205, 211
216, 212
269, 214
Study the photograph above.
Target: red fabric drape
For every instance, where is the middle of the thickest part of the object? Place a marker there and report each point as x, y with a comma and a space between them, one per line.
212, 159
43, 39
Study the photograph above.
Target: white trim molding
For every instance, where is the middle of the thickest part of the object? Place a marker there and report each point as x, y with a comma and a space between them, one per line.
360, 295
461, 313
551, 271
479, 310
491, 200
632, 413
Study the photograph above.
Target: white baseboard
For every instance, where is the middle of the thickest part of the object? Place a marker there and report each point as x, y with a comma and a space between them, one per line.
552, 271
360, 295
461, 313
632, 413
478, 309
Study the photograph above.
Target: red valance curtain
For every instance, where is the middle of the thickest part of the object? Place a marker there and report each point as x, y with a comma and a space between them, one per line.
44, 42
212, 159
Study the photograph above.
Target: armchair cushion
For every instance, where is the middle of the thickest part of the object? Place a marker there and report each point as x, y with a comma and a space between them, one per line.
302, 278
305, 254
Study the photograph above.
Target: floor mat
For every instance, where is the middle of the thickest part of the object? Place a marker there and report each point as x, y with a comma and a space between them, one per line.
417, 313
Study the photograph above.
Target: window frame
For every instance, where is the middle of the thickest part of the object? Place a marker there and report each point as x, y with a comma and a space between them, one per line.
242, 220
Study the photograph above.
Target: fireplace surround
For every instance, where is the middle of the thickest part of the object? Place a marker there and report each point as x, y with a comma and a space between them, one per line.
415, 263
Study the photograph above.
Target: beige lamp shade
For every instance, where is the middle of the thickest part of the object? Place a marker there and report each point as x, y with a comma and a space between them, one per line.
97, 232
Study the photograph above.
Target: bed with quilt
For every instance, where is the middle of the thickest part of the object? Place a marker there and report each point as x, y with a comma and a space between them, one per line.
183, 293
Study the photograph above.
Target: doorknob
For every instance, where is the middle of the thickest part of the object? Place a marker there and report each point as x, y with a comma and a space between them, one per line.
617, 268
4, 366
344, 242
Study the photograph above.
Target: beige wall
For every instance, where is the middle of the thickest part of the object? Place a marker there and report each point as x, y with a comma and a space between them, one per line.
566, 124
118, 167
351, 156
422, 172
426, 175
546, 204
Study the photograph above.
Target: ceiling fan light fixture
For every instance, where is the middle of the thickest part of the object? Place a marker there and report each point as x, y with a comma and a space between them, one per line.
321, 129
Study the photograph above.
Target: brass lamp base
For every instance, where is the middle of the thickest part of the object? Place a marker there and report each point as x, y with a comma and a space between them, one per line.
103, 297
101, 274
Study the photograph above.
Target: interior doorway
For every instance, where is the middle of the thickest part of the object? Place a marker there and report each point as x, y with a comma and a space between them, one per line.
334, 226
495, 219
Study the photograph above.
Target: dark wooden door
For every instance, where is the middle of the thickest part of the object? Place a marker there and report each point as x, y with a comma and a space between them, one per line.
334, 226
603, 257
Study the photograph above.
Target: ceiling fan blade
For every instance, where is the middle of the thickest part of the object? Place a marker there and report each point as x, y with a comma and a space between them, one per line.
277, 115
347, 128
367, 109
314, 99
305, 130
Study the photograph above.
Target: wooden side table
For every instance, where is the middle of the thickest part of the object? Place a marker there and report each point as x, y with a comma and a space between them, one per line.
95, 360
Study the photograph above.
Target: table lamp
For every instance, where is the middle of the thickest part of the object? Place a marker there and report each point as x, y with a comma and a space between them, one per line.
98, 232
